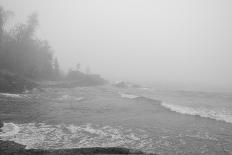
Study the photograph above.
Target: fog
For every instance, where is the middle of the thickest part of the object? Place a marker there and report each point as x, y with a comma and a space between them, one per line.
166, 42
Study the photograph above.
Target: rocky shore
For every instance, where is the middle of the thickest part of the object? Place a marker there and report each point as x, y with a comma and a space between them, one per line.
14, 83
12, 148
1, 124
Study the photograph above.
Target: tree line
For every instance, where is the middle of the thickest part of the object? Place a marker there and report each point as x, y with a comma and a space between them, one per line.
23, 53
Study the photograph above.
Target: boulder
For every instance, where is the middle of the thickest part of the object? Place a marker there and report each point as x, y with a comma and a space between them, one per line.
1, 123
12, 148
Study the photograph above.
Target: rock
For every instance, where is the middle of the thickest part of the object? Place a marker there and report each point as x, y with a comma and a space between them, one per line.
9, 147
1, 123
14, 83
12, 148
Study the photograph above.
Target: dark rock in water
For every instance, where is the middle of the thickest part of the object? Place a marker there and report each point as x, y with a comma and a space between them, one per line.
12, 148
9, 147
1, 123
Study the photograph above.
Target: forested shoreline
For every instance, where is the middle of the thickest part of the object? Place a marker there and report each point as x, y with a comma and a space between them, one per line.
25, 59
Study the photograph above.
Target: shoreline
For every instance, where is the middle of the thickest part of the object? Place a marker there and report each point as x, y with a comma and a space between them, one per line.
12, 148
11, 82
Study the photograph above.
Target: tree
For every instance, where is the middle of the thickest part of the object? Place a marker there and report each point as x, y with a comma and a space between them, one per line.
4, 16
25, 32
23, 53
56, 69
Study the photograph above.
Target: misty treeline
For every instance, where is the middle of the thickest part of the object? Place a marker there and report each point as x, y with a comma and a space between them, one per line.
22, 52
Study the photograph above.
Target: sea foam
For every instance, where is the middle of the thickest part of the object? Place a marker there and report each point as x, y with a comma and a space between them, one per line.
9, 129
44, 136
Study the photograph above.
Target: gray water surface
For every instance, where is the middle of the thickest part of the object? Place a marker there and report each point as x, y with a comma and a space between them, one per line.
107, 116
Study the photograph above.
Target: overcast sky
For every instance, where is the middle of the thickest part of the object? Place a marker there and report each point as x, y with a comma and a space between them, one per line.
166, 41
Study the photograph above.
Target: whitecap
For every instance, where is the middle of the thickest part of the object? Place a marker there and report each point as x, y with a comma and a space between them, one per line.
206, 113
9, 129
68, 97
11, 95
79, 98
129, 96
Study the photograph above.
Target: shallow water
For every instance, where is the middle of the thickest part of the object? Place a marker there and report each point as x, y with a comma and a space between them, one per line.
107, 116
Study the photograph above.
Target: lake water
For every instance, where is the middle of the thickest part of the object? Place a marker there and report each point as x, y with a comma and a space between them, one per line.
157, 121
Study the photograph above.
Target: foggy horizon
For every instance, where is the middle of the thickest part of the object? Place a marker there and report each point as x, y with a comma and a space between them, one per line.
181, 42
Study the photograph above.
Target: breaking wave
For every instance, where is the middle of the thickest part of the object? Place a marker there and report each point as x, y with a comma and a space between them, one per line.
206, 113
129, 96
12, 95
68, 97
202, 112
9, 129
